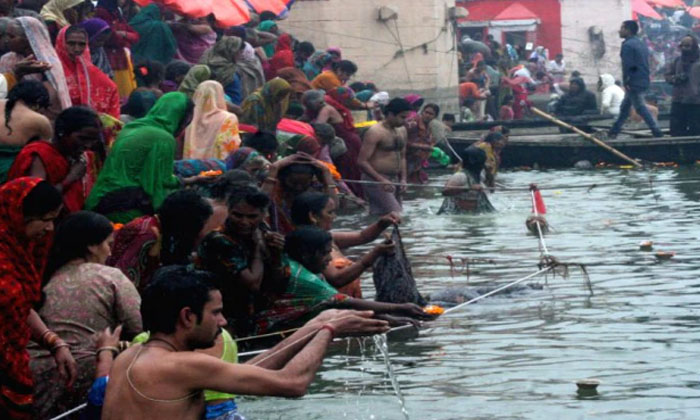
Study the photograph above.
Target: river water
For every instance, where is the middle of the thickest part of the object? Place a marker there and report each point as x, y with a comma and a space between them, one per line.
518, 356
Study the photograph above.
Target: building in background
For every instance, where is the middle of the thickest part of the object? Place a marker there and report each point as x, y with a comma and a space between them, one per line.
410, 47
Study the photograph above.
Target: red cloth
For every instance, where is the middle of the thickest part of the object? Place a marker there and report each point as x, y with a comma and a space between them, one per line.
116, 43
57, 168
22, 263
284, 43
87, 84
506, 113
130, 252
281, 59
469, 90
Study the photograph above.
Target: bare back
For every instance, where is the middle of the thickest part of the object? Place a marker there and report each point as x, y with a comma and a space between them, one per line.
152, 393
26, 125
389, 150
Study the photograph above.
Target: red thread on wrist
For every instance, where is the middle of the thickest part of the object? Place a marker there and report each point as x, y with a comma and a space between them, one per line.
329, 328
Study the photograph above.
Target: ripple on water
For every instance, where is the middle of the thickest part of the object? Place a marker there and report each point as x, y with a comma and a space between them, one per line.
518, 357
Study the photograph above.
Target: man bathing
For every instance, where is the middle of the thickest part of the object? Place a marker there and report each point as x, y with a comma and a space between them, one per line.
165, 378
382, 159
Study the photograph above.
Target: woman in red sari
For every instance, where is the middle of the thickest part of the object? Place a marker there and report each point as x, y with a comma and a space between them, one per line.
284, 57
87, 84
28, 208
62, 161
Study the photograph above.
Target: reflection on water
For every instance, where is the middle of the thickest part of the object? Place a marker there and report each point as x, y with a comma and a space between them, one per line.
518, 357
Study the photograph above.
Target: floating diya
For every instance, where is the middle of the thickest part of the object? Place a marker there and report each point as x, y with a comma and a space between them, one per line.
665, 255
434, 310
646, 245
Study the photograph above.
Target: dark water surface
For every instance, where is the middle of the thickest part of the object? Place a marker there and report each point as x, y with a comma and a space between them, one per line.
517, 357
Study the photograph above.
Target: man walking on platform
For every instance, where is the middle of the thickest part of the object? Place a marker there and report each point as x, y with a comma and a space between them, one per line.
636, 79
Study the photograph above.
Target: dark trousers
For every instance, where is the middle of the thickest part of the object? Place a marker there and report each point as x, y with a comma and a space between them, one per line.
685, 120
635, 98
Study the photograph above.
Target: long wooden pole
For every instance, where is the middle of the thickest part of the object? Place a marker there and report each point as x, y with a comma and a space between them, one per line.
586, 136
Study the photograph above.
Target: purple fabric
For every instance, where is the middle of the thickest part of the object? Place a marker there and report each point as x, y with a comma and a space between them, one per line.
94, 27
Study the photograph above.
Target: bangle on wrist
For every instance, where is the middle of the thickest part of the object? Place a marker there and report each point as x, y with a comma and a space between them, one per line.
59, 345
113, 349
330, 329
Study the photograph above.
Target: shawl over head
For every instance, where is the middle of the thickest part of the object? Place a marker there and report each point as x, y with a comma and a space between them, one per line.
157, 41
53, 11
266, 106
211, 122
87, 84
197, 74
221, 59
43, 50
94, 27
143, 154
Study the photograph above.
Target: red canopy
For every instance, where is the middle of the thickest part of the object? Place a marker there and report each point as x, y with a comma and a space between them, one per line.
694, 12
516, 11
641, 7
668, 3
226, 12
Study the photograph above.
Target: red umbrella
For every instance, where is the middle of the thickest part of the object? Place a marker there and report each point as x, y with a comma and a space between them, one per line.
668, 3
226, 12
694, 12
641, 7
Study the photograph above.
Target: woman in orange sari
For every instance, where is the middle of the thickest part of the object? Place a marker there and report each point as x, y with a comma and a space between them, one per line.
87, 84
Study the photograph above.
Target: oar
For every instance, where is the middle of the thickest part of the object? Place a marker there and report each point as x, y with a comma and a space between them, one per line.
586, 136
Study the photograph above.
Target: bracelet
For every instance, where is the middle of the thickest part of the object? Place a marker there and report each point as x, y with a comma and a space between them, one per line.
330, 329
113, 349
59, 345
49, 339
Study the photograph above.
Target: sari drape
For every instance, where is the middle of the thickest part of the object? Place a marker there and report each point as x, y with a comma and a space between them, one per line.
22, 263
156, 41
87, 85
265, 107
213, 132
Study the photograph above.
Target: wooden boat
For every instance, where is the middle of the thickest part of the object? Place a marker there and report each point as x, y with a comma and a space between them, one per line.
564, 150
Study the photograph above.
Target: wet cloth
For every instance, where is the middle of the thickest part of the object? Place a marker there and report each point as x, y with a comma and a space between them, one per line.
142, 158
87, 85
469, 201
382, 202
22, 263
393, 277
265, 107
156, 41
107, 299
341, 99
131, 250
213, 132
57, 168
306, 296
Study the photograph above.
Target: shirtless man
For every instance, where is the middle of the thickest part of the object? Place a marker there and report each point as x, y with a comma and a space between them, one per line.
382, 159
164, 378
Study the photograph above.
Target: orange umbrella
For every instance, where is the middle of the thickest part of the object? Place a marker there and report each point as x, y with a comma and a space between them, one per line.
226, 12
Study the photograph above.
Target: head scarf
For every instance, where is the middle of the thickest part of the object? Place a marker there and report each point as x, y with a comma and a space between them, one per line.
213, 132
22, 261
221, 59
265, 107
139, 103
94, 27
300, 143
250, 71
53, 11
156, 41
284, 43
415, 100
692, 56
142, 158
87, 84
193, 78
43, 50
111, 5
340, 98
296, 79
244, 158
281, 59
266, 26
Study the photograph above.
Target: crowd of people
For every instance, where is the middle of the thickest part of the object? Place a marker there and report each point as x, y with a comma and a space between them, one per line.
168, 185
498, 81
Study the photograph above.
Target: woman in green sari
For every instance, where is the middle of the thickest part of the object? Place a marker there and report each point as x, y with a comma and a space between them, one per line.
138, 173
156, 41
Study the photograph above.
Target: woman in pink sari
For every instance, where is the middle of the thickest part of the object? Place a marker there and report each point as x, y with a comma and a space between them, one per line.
87, 84
213, 133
